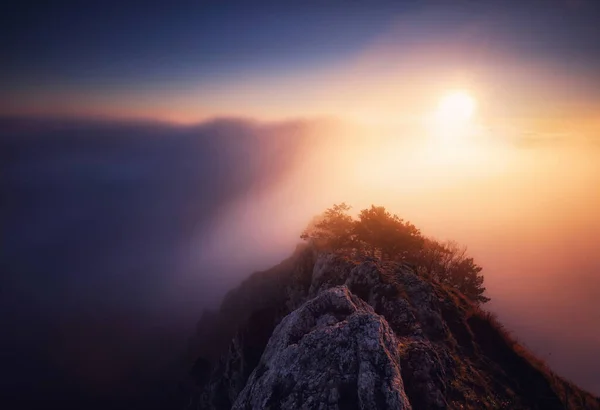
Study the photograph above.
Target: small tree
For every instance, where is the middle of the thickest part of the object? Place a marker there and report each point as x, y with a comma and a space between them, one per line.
386, 235
448, 263
383, 235
466, 277
334, 229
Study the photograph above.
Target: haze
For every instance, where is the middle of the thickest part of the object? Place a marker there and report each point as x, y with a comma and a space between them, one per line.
153, 157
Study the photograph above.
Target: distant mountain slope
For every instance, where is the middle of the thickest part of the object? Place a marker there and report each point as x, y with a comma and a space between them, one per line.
331, 331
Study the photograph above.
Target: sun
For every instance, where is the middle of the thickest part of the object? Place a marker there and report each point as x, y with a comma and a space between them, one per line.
455, 108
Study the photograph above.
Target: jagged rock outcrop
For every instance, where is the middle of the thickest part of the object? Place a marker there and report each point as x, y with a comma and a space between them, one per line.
335, 331
332, 352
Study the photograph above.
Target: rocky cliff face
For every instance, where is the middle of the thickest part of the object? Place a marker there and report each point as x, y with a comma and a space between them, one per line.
329, 331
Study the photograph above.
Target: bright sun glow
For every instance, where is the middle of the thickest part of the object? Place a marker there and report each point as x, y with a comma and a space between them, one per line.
456, 108
453, 119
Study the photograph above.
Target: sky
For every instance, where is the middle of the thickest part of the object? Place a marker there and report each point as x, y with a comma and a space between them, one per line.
195, 60
142, 145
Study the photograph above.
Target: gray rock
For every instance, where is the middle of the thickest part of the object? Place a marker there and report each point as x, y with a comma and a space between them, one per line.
330, 270
366, 281
336, 331
334, 352
425, 374
425, 302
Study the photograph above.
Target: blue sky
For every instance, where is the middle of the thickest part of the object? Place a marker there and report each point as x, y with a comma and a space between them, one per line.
75, 56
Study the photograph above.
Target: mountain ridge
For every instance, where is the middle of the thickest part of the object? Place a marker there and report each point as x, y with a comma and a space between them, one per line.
336, 330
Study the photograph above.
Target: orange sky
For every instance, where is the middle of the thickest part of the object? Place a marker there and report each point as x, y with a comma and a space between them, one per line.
525, 205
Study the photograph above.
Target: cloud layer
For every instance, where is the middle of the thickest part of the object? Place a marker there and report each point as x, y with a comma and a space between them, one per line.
118, 234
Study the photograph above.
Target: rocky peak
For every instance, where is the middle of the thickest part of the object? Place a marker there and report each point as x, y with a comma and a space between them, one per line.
333, 331
332, 352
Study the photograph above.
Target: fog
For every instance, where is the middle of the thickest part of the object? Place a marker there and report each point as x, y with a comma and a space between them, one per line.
125, 232
101, 223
